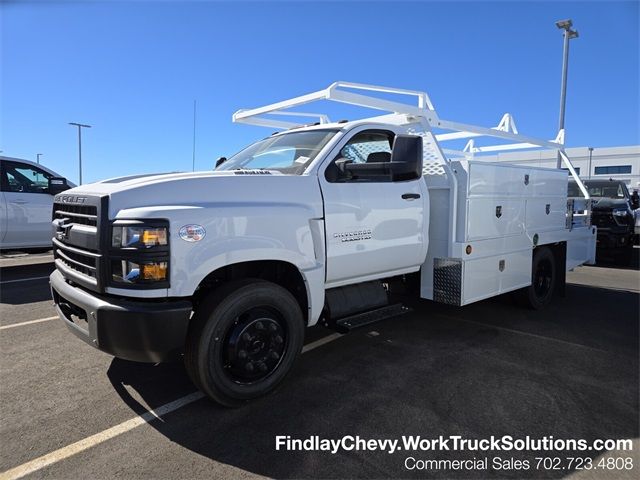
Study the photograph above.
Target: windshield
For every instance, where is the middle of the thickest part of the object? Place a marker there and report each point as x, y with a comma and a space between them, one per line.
289, 153
600, 189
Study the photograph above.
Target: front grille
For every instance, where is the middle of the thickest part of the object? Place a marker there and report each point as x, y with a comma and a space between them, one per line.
78, 214
77, 241
602, 219
78, 260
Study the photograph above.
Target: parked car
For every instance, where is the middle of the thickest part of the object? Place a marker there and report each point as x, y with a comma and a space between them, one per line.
613, 213
635, 201
26, 200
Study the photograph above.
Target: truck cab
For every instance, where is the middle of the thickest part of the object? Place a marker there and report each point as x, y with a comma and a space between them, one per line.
309, 225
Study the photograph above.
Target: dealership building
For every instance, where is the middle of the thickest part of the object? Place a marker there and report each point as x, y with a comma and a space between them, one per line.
621, 163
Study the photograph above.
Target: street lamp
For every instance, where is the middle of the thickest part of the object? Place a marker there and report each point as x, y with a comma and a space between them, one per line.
38, 155
568, 34
80, 127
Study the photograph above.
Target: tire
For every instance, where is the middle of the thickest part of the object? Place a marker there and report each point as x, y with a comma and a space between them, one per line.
243, 340
544, 279
625, 255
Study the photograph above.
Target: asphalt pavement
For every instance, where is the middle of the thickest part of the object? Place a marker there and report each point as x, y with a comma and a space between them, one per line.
490, 368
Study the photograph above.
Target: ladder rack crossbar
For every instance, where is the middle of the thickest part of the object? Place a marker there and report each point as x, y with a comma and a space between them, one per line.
422, 112
339, 92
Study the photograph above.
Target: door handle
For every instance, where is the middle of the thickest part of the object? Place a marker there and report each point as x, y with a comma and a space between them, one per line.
410, 196
19, 201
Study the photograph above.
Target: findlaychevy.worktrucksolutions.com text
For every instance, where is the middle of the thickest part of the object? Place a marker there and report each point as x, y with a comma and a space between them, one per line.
505, 443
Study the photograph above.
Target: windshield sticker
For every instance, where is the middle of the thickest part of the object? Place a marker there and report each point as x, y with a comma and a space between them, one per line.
252, 172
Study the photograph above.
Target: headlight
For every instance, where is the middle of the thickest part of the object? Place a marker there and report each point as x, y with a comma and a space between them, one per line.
620, 216
125, 271
139, 254
621, 213
138, 237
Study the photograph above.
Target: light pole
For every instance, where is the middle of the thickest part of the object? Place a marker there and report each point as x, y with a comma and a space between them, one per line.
568, 34
80, 126
193, 158
590, 155
38, 155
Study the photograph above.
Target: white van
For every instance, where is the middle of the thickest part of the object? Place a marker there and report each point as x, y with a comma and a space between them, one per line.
26, 200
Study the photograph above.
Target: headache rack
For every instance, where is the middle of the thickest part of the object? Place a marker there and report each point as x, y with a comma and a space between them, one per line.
423, 113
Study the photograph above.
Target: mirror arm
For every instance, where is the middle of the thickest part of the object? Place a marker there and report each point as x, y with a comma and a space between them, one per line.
373, 168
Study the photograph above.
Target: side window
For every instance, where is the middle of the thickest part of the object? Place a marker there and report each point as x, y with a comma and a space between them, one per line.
4, 184
364, 147
23, 178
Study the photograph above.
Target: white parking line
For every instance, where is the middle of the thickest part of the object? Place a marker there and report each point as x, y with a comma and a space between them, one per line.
30, 322
526, 334
23, 280
101, 437
322, 341
86, 443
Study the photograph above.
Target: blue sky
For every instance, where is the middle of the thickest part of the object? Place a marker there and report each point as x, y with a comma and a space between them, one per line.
132, 70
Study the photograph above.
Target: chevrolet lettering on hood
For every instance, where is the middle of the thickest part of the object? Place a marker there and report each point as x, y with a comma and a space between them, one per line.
70, 199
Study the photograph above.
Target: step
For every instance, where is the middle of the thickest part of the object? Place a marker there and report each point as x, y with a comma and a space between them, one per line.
361, 319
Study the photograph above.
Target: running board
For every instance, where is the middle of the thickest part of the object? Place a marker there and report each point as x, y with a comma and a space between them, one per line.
361, 319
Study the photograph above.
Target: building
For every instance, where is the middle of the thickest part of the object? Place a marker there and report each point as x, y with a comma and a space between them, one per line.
621, 163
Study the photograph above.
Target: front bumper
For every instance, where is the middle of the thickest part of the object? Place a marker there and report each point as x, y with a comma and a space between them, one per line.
611, 240
138, 331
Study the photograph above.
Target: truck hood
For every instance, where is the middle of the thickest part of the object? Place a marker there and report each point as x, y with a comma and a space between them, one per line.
604, 203
142, 196
116, 184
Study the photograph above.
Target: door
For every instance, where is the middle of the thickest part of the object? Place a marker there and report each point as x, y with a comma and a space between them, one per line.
374, 227
28, 205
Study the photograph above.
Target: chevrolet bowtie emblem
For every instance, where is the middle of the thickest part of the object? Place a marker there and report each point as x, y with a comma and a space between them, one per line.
62, 229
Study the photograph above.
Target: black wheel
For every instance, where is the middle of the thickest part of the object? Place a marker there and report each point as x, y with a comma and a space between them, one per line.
243, 341
625, 255
543, 280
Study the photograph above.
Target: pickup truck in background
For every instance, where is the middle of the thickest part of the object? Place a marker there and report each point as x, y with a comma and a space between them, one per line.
26, 200
314, 224
613, 213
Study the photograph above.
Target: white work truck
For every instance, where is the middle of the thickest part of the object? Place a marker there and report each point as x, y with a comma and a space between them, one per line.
311, 224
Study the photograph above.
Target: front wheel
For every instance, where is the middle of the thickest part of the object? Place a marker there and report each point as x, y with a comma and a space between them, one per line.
243, 341
624, 255
543, 280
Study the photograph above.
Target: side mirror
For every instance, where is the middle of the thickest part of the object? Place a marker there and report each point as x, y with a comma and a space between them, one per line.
342, 163
406, 158
57, 185
220, 161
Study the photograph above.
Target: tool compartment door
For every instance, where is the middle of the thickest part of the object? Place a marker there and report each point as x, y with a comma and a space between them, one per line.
488, 179
547, 203
494, 217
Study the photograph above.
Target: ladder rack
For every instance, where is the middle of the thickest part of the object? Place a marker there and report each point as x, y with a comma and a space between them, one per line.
421, 111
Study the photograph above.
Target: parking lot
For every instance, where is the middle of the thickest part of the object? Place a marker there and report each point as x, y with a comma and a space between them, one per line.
490, 368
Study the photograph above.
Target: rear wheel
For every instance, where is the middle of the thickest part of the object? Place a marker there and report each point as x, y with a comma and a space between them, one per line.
543, 280
244, 340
